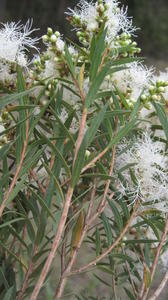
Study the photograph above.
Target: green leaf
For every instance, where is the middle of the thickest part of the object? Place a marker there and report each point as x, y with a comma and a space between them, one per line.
9, 294
96, 122
43, 204
11, 222
117, 107
14, 97
117, 216
107, 228
136, 108
162, 117
57, 154
69, 61
98, 45
79, 162
21, 128
122, 133
96, 85
101, 280
129, 294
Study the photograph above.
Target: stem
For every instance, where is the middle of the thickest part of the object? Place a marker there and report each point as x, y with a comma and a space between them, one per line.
41, 188
160, 287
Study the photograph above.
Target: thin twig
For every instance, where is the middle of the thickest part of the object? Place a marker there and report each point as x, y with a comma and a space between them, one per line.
41, 188
160, 287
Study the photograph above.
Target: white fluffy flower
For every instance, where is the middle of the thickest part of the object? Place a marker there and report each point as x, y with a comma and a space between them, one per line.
87, 14
135, 78
15, 41
60, 45
117, 20
149, 165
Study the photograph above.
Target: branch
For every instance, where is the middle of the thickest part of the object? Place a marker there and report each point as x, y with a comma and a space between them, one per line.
41, 188
160, 287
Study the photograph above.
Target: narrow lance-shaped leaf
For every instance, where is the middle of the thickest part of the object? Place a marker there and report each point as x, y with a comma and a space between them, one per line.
96, 122
96, 56
79, 162
69, 61
162, 117
107, 228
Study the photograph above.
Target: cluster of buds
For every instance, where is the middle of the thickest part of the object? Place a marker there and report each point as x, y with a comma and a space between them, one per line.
131, 102
39, 62
124, 40
51, 88
84, 28
4, 123
155, 92
54, 41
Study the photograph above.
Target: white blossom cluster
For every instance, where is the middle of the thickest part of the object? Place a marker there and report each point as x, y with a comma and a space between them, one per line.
15, 42
133, 80
148, 162
116, 19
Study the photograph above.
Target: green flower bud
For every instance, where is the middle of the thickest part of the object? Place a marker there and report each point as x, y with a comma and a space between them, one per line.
151, 88
45, 38
49, 31
53, 38
161, 89
57, 34
138, 50
155, 97
144, 97
87, 154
